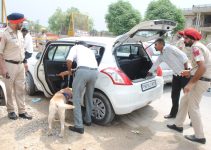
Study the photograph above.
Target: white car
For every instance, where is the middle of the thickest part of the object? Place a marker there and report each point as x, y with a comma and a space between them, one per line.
166, 70
3, 97
123, 83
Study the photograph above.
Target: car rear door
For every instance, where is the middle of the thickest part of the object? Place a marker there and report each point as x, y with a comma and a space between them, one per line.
52, 62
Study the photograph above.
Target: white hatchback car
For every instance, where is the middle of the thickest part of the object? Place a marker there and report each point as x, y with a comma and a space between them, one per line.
3, 97
123, 84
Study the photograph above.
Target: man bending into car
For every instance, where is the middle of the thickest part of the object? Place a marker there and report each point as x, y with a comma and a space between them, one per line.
177, 61
84, 80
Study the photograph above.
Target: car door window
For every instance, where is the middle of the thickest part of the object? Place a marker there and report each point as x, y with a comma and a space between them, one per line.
128, 51
59, 52
123, 51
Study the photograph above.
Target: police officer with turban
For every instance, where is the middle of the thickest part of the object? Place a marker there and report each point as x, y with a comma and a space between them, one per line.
12, 67
200, 80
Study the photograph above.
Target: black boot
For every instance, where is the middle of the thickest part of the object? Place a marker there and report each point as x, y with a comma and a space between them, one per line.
74, 129
12, 115
25, 116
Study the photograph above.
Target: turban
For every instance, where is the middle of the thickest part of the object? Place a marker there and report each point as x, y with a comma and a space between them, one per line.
15, 18
192, 34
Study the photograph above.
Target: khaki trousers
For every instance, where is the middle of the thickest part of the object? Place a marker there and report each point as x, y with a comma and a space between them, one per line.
190, 104
15, 87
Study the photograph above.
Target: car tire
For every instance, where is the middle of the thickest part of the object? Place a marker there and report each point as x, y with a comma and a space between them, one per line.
2, 97
102, 112
29, 85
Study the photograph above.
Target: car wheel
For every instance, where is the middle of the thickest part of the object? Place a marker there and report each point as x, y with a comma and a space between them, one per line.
102, 112
2, 97
29, 85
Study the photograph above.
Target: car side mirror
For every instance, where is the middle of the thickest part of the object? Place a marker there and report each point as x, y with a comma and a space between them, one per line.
38, 55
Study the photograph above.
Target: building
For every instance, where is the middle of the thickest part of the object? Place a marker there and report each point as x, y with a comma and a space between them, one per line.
199, 17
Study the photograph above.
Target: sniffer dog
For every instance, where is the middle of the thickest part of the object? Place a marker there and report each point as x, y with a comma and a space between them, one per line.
58, 104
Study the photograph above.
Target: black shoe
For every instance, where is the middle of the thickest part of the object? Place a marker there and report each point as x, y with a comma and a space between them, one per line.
174, 127
25, 116
194, 139
87, 123
12, 116
74, 129
169, 116
191, 124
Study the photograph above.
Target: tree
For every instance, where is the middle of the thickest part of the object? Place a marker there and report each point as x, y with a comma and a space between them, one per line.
59, 22
121, 17
56, 21
164, 9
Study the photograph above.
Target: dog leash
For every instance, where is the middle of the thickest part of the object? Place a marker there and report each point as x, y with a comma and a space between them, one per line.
68, 78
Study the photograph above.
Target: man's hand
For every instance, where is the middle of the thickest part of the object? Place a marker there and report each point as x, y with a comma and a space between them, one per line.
64, 73
4, 73
188, 87
26, 67
149, 73
185, 73
3, 69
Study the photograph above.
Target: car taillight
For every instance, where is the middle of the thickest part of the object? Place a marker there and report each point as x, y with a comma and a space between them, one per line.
159, 71
117, 76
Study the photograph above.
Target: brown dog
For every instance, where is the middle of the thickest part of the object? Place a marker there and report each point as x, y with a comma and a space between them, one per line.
58, 104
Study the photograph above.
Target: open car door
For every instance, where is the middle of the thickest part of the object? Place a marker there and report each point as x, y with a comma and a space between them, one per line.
52, 62
130, 52
146, 31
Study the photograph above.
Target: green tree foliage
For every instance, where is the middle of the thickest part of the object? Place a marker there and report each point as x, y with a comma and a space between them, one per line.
164, 9
56, 21
60, 21
34, 26
121, 17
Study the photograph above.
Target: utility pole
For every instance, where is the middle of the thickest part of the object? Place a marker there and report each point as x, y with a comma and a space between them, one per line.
3, 11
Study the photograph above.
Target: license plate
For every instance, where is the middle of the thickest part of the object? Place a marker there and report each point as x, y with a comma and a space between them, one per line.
148, 85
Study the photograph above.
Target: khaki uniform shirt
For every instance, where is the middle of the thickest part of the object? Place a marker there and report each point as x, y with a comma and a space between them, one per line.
201, 53
12, 45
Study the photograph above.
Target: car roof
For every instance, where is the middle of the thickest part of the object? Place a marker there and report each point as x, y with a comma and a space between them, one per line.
102, 40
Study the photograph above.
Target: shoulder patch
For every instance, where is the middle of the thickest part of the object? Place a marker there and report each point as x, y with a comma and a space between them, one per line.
196, 51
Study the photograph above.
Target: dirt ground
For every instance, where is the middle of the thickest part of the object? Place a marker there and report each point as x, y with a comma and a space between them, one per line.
144, 129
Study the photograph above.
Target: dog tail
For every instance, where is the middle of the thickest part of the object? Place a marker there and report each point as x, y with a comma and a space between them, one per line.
67, 106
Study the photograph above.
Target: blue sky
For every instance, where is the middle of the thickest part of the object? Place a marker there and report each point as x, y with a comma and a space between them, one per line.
97, 9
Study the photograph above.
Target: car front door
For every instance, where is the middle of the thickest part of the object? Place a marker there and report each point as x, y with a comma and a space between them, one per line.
52, 62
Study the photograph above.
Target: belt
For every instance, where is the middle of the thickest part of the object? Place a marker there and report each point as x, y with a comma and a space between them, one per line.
204, 79
83, 67
14, 62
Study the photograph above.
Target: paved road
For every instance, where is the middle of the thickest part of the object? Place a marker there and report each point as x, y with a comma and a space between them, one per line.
144, 129
151, 119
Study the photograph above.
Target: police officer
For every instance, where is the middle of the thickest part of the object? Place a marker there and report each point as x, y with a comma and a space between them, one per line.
181, 45
12, 67
85, 78
200, 79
